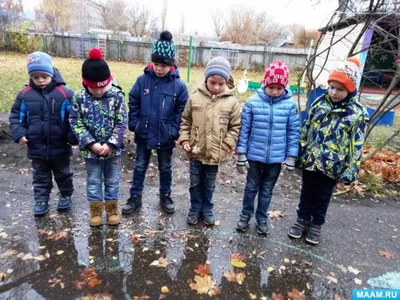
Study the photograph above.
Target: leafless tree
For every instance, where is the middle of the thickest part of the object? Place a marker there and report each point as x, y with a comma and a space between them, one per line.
182, 26
381, 16
55, 15
218, 22
164, 14
10, 12
113, 14
138, 19
245, 25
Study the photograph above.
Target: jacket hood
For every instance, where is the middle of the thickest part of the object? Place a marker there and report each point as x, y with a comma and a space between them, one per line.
174, 73
287, 94
203, 89
56, 80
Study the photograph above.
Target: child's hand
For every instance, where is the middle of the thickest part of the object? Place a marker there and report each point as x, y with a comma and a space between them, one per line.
187, 147
23, 141
106, 150
97, 148
232, 151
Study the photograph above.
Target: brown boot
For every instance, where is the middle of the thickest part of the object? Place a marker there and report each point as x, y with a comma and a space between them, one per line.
111, 208
96, 211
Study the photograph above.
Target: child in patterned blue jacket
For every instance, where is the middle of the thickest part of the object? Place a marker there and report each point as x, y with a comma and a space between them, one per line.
99, 121
269, 136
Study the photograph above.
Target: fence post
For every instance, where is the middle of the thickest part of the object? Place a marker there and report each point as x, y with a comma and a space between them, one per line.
189, 58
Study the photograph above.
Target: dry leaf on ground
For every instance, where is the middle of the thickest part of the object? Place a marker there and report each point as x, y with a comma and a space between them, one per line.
160, 263
275, 214
104, 296
235, 277
202, 284
277, 296
203, 270
387, 254
296, 295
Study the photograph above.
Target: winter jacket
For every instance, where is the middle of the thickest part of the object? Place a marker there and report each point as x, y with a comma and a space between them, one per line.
155, 108
99, 120
210, 125
270, 128
41, 115
332, 138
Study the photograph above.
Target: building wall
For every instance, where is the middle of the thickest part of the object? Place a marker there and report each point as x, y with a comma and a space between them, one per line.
85, 14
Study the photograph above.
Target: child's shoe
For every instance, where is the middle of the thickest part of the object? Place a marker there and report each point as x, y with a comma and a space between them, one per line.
166, 203
41, 208
193, 217
134, 203
243, 222
262, 227
298, 228
313, 234
64, 203
208, 217
96, 211
111, 208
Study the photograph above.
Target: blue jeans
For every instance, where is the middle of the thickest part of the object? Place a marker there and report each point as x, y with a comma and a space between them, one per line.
316, 193
202, 185
43, 181
99, 171
142, 160
261, 179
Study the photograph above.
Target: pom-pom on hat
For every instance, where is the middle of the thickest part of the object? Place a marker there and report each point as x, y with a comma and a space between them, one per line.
276, 73
347, 73
95, 70
163, 50
40, 62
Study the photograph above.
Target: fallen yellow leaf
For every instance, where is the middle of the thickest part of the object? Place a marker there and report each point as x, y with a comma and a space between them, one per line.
252, 296
237, 263
60, 252
164, 290
202, 284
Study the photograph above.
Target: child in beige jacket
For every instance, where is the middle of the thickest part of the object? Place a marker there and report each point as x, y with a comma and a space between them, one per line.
208, 133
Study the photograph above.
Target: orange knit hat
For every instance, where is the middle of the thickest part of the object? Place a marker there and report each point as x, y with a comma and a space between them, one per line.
347, 74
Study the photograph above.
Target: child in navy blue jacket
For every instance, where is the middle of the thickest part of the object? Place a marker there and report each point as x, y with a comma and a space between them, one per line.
39, 119
156, 103
269, 136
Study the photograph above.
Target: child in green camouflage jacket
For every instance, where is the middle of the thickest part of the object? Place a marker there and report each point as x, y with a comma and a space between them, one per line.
331, 143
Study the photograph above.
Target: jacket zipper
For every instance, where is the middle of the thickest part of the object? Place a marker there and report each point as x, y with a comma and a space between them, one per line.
271, 111
53, 105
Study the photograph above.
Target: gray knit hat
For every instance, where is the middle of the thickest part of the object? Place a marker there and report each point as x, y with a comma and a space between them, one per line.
218, 66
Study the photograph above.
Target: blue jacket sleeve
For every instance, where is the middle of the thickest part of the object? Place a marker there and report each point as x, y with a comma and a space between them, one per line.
179, 107
247, 120
293, 132
134, 105
18, 119
71, 138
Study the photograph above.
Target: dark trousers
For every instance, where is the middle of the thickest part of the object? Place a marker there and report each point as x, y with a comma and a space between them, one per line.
316, 193
43, 181
202, 186
142, 160
261, 179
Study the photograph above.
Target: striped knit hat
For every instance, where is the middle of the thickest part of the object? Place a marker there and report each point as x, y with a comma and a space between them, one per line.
164, 49
218, 66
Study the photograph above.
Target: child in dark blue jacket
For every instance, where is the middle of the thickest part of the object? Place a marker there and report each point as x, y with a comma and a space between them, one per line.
39, 119
269, 136
156, 103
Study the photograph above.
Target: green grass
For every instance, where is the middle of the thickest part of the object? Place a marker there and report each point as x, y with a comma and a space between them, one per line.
14, 76
372, 183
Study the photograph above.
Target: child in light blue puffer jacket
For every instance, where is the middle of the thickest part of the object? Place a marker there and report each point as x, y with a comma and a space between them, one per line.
269, 136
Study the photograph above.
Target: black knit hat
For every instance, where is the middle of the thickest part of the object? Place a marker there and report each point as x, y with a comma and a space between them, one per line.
164, 49
95, 70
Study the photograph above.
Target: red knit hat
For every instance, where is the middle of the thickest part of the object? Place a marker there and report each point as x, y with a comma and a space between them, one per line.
276, 73
95, 70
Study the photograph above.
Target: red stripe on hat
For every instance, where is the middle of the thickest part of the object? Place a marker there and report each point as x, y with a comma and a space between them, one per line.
94, 84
